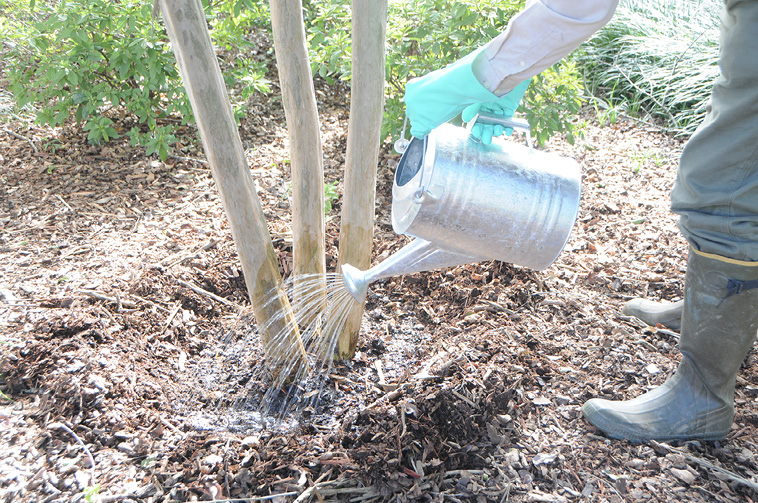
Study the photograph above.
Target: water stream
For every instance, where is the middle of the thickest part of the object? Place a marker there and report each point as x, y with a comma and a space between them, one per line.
320, 308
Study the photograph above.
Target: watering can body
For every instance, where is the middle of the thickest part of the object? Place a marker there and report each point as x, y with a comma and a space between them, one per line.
466, 202
502, 201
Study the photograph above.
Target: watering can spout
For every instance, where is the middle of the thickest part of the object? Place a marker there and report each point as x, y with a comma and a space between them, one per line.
418, 255
355, 281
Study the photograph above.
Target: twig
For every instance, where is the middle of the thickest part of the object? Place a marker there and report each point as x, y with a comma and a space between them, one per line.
171, 317
188, 159
383, 385
308, 492
465, 399
108, 314
112, 498
256, 498
79, 441
181, 258
455, 473
632, 320
76, 251
707, 464
147, 301
65, 203
670, 333
208, 294
638, 323
21, 137
115, 300
392, 395
327, 491
170, 426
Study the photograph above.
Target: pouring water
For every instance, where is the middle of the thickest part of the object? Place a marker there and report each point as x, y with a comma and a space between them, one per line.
463, 202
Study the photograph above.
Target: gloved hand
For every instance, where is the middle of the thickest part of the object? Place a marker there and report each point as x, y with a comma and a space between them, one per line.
505, 106
439, 96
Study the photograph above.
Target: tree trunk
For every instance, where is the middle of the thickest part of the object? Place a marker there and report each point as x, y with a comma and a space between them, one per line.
369, 20
187, 29
299, 101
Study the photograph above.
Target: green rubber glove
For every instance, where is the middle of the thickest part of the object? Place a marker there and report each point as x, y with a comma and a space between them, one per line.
505, 106
439, 96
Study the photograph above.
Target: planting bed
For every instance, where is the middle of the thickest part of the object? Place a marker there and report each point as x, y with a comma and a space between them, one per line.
467, 384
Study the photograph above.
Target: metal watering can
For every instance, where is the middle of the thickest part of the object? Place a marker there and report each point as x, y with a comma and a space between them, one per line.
466, 202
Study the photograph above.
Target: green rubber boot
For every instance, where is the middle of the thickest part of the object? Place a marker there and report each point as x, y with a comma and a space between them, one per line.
668, 314
719, 325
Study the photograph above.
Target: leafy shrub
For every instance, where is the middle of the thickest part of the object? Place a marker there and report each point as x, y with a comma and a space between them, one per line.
657, 57
232, 22
94, 60
426, 35
554, 101
109, 66
102, 62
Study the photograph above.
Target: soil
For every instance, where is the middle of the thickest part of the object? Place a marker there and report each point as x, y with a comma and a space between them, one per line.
109, 357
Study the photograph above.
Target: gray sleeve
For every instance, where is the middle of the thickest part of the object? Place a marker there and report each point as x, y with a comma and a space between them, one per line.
538, 37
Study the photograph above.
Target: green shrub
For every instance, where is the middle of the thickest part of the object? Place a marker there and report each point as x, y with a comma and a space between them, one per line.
93, 60
657, 57
426, 35
107, 64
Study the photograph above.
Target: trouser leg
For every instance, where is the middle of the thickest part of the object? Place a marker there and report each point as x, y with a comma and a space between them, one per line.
716, 196
716, 191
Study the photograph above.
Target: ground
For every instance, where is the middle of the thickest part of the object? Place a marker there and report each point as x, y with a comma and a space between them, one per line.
467, 384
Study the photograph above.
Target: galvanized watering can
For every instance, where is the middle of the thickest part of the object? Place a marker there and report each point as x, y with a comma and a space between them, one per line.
467, 202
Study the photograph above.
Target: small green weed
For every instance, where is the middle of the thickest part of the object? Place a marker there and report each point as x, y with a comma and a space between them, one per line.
51, 145
160, 142
91, 493
606, 115
148, 462
640, 158
330, 195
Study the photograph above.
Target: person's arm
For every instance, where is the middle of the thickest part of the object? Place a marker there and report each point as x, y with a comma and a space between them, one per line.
537, 38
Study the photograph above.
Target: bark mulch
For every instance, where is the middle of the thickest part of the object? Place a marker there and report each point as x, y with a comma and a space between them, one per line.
126, 341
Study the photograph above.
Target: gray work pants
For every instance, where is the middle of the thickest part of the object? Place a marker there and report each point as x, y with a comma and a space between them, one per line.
716, 190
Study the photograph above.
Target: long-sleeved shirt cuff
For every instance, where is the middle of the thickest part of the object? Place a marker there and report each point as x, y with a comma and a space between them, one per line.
538, 37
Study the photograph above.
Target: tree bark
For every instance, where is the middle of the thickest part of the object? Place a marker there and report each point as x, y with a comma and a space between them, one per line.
306, 157
369, 20
187, 29
299, 100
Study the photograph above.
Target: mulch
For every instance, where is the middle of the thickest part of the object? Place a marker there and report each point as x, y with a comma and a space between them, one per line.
127, 339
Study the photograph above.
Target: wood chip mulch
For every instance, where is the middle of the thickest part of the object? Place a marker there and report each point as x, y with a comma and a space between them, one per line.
126, 341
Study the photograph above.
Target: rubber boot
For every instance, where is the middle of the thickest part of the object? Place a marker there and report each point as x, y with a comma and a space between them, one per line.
668, 314
719, 325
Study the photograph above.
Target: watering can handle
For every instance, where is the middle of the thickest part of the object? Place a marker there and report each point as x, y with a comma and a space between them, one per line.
499, 120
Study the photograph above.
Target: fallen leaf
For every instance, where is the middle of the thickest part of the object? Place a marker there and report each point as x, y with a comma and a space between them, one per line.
685, 476
544, 459
541, 400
